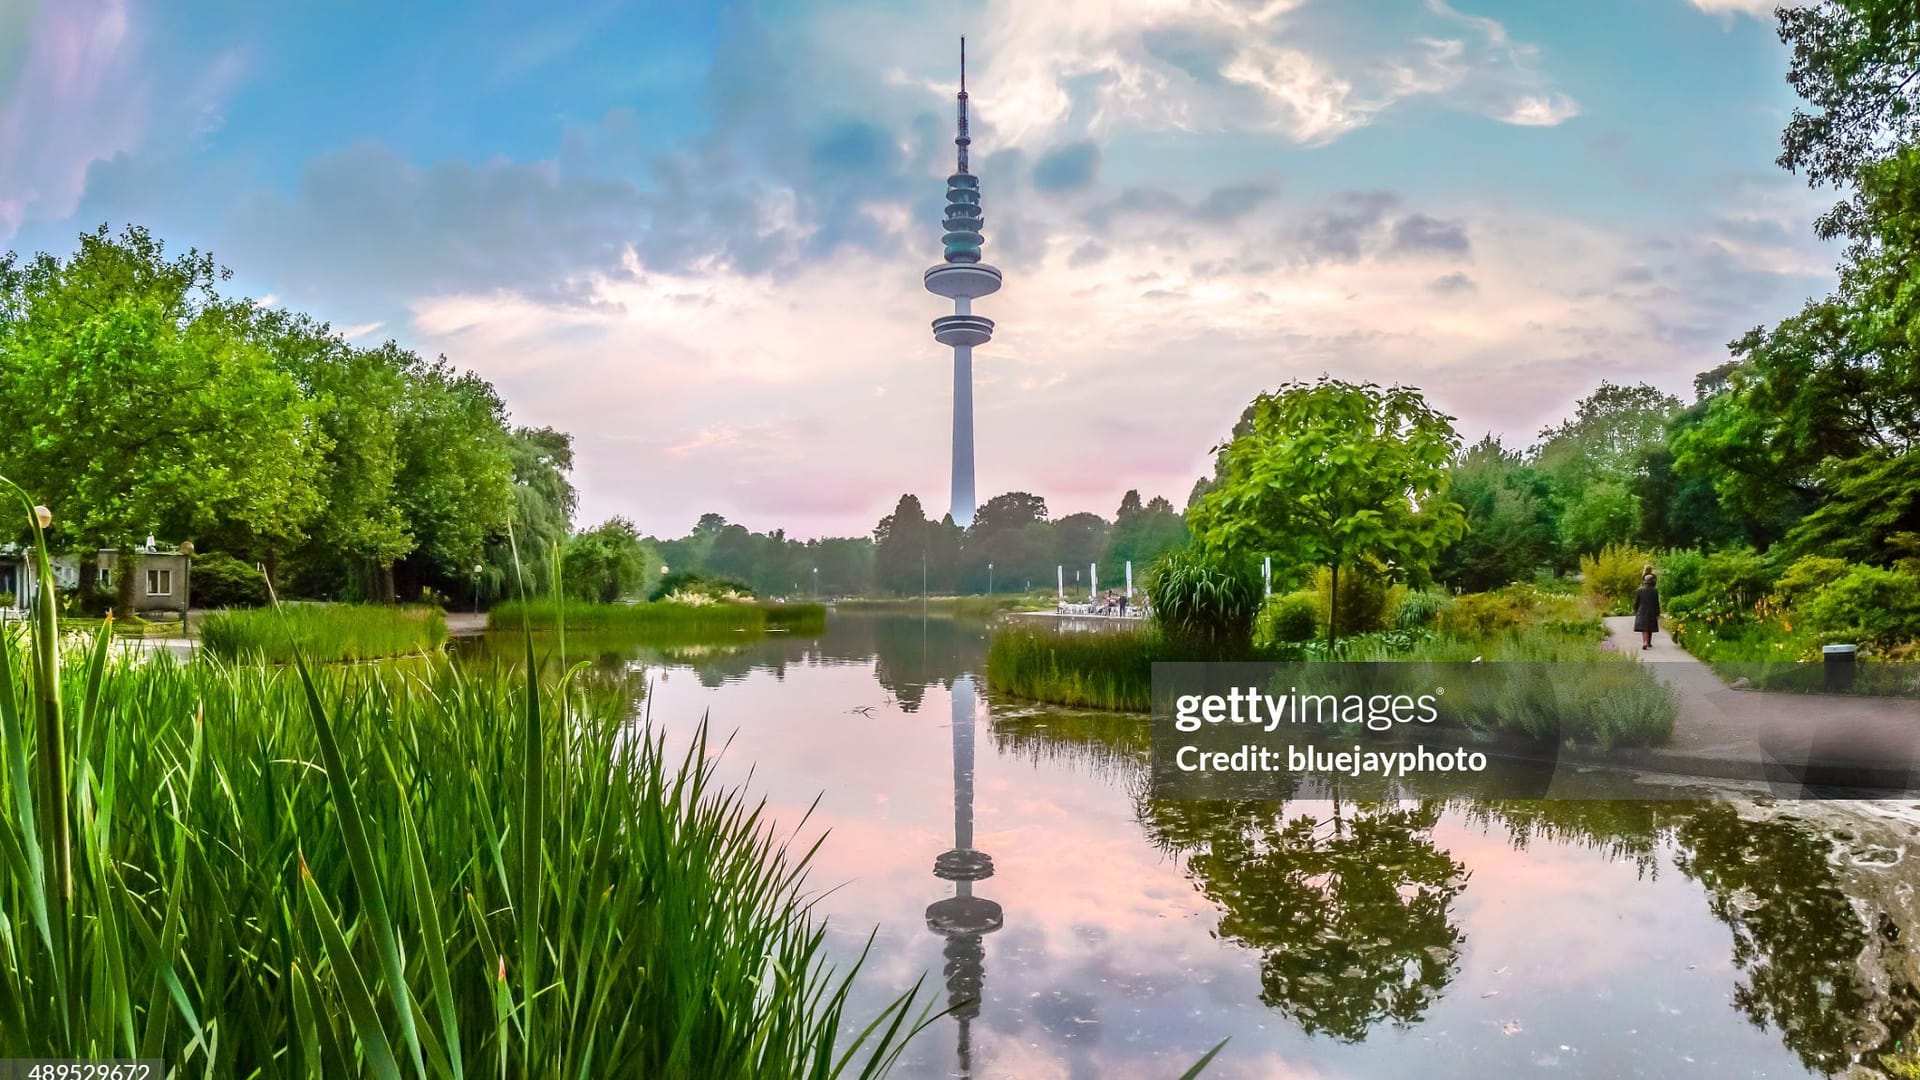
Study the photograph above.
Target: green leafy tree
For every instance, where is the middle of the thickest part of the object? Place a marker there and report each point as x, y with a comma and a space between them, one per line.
1334, 474
1609, 431
544, 500
1141, 534
606, 564
356, 395
1510, 529
131, 395
455, 484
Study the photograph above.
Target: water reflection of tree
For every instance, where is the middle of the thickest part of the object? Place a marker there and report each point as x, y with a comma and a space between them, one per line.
1350, 914
1350, 910
1796, 936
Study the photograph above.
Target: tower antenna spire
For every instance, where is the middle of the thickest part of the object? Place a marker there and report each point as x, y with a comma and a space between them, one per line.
961, 140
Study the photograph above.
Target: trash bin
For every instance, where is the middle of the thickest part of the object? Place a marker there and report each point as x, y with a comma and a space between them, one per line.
1840, 661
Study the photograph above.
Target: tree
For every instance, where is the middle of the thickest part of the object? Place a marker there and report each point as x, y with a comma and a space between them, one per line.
1510, 528
606, 564
1004, 533
544, 500
1140, 535
132, 399
455, 484
1609, 431
1080, 539
899, 546
356, 395
1333, 474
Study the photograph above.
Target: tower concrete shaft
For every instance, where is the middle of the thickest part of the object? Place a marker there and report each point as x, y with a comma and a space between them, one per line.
963, 278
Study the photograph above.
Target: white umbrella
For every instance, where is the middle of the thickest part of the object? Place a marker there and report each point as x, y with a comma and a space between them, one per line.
1129, 579
1061, 573
1093, 581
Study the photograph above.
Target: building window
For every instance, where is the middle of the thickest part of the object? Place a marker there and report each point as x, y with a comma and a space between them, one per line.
106, 577
159, 583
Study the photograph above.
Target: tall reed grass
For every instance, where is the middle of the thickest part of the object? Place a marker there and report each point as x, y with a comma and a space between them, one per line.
323, 632
256, 871
1102, 670
659, 621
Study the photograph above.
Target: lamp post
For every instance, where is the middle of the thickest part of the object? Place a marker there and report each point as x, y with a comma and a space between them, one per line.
989, 579
816, 583
477, 569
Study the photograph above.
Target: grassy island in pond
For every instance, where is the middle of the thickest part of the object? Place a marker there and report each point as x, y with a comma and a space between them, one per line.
660, 620
324, 632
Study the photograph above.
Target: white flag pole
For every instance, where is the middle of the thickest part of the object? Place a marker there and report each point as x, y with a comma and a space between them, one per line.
1061, 573
1093, 581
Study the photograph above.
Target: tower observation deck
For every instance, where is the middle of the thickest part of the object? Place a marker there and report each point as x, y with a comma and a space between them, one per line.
962, 278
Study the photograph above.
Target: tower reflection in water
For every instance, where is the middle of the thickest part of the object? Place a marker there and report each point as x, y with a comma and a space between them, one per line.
963, 918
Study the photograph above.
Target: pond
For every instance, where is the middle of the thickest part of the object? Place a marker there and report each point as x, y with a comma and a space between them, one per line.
1009, 854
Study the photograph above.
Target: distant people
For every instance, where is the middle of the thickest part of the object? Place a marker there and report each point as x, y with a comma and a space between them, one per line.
1646, 610
1123, 605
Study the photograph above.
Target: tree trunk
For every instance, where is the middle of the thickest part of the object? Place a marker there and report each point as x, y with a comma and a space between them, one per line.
124, 569
1333, 608
387, 594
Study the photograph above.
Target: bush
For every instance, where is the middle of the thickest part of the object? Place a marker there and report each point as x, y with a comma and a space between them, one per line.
1680, 571
1420, 610
1363, 598
1737, 577
711, 586
1879, 607
1204, 599
1611, 576
222, 581
1479, 615
1807, 576
1289, 617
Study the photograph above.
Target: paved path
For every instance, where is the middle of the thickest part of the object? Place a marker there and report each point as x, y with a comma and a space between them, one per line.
466, 623
1751, 734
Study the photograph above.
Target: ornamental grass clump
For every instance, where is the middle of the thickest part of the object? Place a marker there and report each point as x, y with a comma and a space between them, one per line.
323, 633
251, 870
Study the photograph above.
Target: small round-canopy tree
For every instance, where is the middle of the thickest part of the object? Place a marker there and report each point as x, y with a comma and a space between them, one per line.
1335, 474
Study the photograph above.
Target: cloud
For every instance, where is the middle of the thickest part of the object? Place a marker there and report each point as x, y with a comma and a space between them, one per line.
1284, 68
1452, 284
1088, 253
1759, 9
75, 98
1544, 111
1418, 232
1067, 168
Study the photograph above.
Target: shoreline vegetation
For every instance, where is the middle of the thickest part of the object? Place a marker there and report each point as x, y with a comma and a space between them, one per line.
960, 607
659, 620
324, 633
257, 870
1113, 670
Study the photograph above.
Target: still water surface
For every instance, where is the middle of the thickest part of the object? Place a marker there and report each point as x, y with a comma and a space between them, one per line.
1008, 853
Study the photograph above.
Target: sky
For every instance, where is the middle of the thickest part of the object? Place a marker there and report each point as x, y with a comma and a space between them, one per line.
692, 235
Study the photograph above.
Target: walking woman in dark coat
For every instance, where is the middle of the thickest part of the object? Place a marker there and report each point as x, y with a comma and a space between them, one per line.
1646, 611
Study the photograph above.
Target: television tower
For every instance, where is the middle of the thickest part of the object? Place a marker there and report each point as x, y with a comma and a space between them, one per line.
963, 918
962, 278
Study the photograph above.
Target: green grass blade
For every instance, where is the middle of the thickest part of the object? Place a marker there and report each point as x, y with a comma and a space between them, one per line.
353, 985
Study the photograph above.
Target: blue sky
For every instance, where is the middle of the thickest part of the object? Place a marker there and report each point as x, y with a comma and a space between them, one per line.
692, 235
